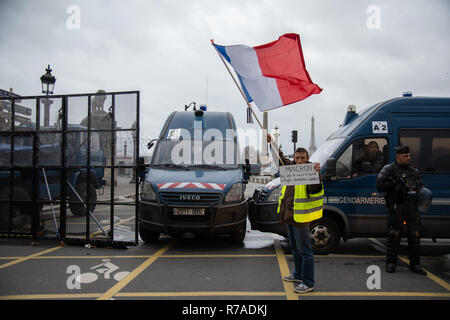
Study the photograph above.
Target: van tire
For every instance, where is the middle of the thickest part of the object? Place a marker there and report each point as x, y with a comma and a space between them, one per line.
76, 207
238, 237
325, 235
148, 236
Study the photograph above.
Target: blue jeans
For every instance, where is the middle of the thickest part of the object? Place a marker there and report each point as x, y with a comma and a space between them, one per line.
300, 242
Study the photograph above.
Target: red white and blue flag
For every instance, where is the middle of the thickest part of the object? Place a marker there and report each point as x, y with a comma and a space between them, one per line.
272, 75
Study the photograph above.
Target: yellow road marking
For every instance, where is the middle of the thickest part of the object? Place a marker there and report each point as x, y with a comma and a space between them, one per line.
281, 257
133, 274
265, 294
284, 269
318, 256
149, 255
94, 257
219, 256
51, 296
228, 294
377, 294
195, 256
431, 276
200, 294
96, 233
28, 257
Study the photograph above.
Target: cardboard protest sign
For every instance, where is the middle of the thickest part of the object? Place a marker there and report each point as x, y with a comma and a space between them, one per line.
299, 174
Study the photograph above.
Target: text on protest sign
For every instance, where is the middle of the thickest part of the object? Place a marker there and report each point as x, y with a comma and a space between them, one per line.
299, 174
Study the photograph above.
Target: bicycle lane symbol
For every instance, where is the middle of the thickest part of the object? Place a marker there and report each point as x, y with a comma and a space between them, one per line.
106, 268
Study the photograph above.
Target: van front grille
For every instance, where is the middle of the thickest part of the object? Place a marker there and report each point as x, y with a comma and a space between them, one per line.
190, 198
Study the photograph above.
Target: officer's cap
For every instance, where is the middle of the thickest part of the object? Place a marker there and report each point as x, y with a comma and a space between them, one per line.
401, 149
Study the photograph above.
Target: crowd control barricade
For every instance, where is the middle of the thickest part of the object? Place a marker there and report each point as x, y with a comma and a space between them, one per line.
68, 167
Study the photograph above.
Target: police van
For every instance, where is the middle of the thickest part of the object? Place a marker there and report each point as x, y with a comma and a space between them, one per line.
351, 159
195, 182
83, 184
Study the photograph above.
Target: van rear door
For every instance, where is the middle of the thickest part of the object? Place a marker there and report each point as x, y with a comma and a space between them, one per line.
430, 153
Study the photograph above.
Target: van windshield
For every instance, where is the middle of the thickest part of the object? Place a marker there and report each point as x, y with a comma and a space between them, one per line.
325, 150
213, 154
344, 131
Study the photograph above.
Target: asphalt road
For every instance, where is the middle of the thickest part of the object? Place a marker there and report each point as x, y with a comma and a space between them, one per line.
208, 268
213, 268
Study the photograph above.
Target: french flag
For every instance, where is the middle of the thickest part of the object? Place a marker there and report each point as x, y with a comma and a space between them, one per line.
272, 75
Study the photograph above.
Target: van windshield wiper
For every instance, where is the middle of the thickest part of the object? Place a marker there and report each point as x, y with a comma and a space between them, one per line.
208, 166
170, 165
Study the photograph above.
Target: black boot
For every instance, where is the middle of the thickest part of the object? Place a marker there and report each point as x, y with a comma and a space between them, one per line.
414, 253
393, 241
417, 268
390, 267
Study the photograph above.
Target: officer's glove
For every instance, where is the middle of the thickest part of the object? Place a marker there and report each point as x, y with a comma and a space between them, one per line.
389, 185
400, 192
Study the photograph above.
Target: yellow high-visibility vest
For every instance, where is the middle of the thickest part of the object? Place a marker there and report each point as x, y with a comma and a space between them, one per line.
306, 208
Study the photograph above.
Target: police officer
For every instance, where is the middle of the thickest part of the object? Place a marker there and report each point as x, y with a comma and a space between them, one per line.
371, 162
401, 183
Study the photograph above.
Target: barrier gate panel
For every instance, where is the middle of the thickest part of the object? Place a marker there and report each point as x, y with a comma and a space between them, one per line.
68, 167
17, 160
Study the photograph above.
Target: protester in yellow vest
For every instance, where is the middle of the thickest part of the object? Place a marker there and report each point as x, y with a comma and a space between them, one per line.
298, 206
307, 207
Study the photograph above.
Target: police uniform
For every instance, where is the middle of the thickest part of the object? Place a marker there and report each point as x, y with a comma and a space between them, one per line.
401, 184
369, 164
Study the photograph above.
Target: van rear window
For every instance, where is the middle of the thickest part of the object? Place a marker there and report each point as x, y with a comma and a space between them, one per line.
430, 149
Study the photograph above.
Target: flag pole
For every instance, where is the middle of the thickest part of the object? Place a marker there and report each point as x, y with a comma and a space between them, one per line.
248, 104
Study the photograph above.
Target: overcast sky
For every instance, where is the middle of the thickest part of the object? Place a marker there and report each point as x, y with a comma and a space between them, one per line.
360, 52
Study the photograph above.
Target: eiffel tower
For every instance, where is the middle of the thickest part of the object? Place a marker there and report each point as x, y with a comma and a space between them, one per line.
312, 142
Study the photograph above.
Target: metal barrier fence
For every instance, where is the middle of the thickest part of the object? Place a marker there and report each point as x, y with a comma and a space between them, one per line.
68, 167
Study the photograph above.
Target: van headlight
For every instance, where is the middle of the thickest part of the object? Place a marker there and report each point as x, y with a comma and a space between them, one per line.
147, 192
274, 195
235, 193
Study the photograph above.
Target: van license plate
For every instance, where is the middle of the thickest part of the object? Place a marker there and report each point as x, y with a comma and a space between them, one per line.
189, 211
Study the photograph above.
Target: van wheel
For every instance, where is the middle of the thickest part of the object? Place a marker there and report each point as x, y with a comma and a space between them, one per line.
238, 237
77, 207
148, 236
325, 235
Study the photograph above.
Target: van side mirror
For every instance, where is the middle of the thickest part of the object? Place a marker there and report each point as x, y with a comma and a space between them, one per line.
141, 168
250, 169
330, 168
151, 143
246, 169
256, 195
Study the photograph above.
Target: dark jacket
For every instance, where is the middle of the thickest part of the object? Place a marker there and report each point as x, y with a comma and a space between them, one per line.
396, 180
369, 164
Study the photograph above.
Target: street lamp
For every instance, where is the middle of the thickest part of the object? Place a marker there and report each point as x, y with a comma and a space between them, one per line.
48, 84
48, 81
